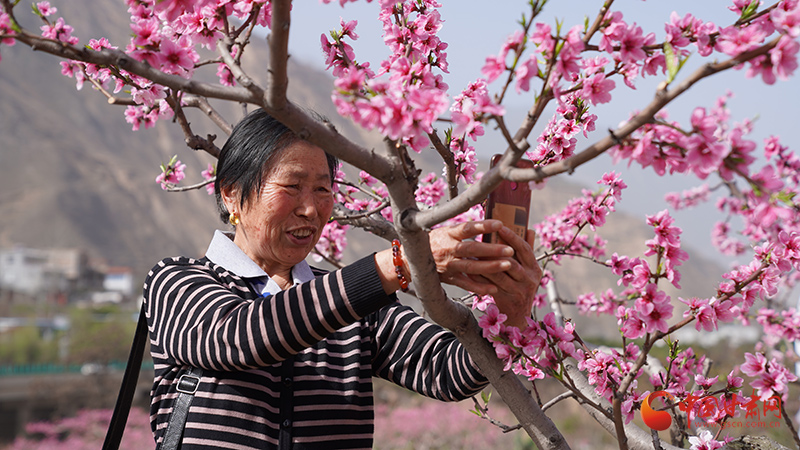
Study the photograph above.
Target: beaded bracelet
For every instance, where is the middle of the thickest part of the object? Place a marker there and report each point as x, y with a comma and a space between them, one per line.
397, 258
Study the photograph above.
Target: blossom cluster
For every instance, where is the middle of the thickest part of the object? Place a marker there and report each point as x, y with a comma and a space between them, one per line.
166, 34
560, 233
534, 352
171, 173
405, 102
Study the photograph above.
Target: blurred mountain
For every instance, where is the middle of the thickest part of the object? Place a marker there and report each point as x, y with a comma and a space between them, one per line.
74, 174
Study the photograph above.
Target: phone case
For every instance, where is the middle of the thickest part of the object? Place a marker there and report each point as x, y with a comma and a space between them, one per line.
510, 202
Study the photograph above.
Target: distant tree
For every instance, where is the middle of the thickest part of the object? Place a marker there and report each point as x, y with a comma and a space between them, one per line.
576, 68
99, 337
24, 345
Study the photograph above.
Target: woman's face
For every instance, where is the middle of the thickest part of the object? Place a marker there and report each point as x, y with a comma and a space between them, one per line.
282, 224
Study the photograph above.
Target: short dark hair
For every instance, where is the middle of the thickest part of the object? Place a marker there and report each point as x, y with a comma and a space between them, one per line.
247, 155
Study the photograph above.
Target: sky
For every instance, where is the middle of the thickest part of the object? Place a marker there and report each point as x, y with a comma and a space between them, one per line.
474, 30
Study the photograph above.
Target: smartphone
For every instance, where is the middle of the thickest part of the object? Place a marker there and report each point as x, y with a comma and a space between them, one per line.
510, 203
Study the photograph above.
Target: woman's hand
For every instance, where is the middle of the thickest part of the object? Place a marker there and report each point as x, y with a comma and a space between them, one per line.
480, 267
517, 286
463, 262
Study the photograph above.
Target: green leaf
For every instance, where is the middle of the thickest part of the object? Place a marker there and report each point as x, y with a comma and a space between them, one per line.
786, 197
672, 67
750, 10
35, 9
475, 412
15, 26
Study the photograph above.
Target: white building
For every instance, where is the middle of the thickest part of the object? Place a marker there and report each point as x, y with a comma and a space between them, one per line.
33, 271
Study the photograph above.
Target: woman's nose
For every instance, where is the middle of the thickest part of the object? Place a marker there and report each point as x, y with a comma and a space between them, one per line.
307, 206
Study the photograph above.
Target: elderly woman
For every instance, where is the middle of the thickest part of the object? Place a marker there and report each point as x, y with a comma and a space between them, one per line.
253, 348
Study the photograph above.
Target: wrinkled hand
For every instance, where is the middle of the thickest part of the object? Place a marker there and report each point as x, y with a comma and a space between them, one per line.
464, 263
517, 286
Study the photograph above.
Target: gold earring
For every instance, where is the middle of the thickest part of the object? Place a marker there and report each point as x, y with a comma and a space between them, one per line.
233, 219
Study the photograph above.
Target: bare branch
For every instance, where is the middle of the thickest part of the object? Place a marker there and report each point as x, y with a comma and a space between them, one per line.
598, 21
376, 225
449, 163
558, 399
202, 104
224, 48
278, 82
191, 187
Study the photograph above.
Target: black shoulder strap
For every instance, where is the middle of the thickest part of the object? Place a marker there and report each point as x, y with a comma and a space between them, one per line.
187, 386
128, 388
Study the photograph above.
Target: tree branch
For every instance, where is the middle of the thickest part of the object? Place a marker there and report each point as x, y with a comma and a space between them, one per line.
113, 57
662, 98
278, 82
449, 163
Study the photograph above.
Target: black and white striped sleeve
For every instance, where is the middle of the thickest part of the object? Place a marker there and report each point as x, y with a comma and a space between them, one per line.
196, 318
423, 357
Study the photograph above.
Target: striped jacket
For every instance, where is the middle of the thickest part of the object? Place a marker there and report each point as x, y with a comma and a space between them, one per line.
291, 370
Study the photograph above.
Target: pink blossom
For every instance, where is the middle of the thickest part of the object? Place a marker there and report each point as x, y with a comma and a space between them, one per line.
705, 156
172, 9
787, 20
45, 9
177, 57
640, 274
631, 42
543, 39
704, 441
493, 68
59, 31
524, 73
784, 57
332, 241
597, 89
631, 326
734, 40
207, 175
481, 302
754, 365
146, 32
492, 321
772, 381
594, 65
431, 190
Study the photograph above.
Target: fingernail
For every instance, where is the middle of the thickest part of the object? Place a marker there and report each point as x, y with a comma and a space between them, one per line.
508, 251
505, 265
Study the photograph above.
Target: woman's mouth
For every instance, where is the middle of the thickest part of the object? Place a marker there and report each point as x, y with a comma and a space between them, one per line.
301, 234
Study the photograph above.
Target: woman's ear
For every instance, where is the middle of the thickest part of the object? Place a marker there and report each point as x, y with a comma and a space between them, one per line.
230, 197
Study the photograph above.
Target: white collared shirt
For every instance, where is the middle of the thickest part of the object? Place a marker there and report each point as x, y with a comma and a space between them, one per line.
224, 252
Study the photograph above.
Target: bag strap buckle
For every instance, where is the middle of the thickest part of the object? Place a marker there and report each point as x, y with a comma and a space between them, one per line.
188, 384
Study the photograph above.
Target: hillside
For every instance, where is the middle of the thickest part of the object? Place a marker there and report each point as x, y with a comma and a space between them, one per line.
73, 174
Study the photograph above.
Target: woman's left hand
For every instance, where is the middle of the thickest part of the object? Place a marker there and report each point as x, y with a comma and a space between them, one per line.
517, 286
